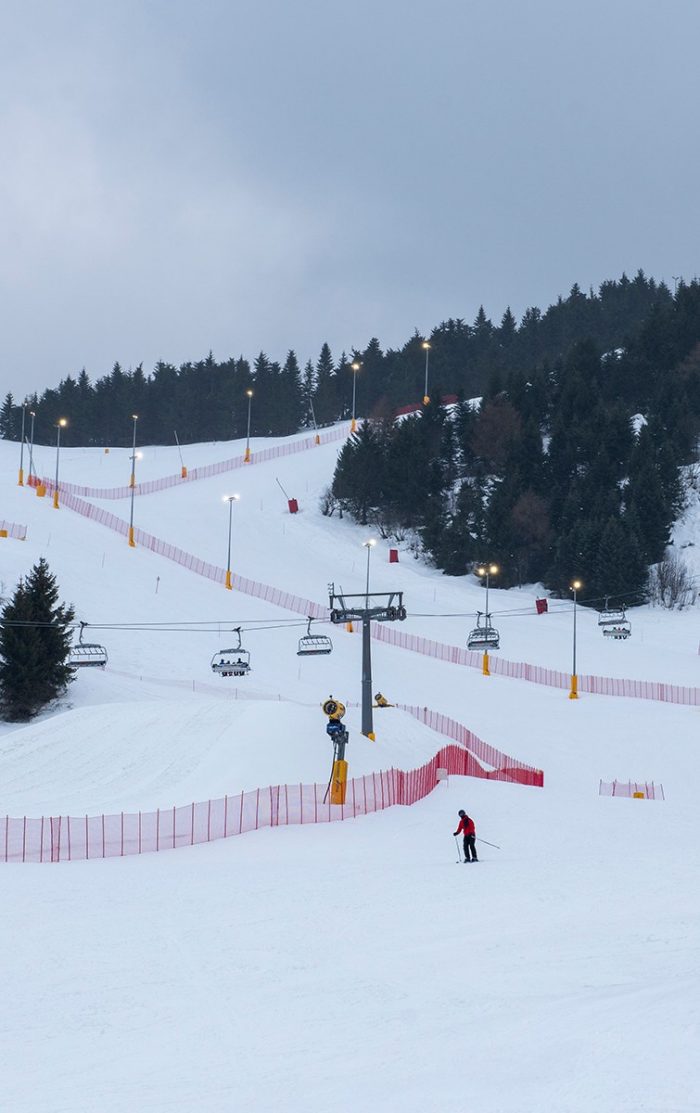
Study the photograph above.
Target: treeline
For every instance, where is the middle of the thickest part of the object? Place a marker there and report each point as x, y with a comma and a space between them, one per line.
568, 469
207, 400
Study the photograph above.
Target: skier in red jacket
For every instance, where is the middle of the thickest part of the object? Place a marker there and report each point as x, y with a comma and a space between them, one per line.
467, 828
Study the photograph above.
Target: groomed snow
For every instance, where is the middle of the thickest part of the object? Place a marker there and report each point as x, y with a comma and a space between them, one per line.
356, 965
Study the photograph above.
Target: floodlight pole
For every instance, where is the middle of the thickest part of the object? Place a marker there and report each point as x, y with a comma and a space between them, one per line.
573, 691
246, 458
60, 424
426, 349
317, 439
20, 480
32, 414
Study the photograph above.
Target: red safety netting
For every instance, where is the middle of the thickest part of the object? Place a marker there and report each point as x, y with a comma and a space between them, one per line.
537, 674
72, 838
13, 529
207, 471
640, 790
503, 768
453, 654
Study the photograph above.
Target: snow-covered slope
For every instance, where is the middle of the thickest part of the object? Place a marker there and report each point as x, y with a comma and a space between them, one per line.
349, 966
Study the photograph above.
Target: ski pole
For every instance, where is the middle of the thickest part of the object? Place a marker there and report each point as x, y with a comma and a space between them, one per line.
459, 852
488, 843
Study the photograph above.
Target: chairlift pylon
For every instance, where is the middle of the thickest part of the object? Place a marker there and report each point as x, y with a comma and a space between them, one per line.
232, 662
484, 635
313, 645
87, 654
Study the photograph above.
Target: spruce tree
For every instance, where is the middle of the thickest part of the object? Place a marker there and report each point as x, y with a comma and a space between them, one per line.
8, 419
35, 643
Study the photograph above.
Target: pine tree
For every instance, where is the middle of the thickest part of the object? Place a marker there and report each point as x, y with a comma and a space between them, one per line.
292, 407
358, 481
34, 653
620, 569
326, 404
8, 419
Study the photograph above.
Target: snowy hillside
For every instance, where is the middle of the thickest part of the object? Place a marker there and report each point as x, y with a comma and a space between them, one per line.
352, 965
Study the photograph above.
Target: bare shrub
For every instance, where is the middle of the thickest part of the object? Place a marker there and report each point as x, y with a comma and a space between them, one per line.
671, 583
328, 503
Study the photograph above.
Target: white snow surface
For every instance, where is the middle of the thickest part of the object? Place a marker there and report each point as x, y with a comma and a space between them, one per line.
351, 966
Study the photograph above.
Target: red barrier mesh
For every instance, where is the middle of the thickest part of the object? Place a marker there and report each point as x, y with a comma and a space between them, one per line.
207, 471
453, 654
70, 838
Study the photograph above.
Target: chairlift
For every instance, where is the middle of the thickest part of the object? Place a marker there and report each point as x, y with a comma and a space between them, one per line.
611, 616
484, 635
87, 654
232, 662
620, 630
313, 645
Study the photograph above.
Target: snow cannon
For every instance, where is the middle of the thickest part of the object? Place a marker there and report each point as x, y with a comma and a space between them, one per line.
292, 504
338, 735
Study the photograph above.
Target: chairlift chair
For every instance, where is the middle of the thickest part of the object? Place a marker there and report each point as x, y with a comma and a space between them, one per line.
484, 635
313, 645
620, 630
87, 654
611, 616
232, 662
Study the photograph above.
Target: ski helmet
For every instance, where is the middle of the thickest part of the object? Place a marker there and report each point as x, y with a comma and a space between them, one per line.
461, 812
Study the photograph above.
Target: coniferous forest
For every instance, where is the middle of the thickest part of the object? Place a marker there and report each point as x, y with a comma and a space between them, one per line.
569, 460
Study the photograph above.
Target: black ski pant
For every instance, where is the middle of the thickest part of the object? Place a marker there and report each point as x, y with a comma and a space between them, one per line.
470, 844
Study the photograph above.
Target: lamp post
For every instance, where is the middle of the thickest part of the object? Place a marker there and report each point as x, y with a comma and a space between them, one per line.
487, 570
426, 348
132, 481
230, 499
355, 367
573, 693
32, 414
136, 456
20, 480
246, 458
317, 439
60, 424
368, 545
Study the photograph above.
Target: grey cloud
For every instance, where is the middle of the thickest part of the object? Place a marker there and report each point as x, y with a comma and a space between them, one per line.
178, 177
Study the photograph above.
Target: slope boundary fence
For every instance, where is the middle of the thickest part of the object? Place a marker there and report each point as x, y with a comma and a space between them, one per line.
13, 529
74, 838
453, 654
207, 471
632, 790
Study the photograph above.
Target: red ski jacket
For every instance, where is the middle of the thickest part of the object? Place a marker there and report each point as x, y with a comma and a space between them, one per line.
466, 827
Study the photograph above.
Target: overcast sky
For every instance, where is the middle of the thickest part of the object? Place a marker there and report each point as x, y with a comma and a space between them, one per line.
236, 175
